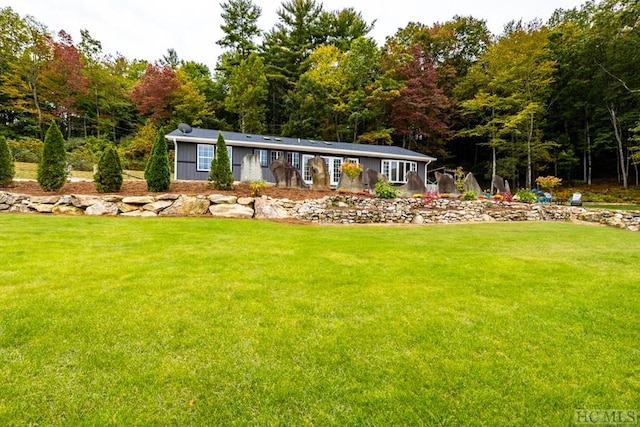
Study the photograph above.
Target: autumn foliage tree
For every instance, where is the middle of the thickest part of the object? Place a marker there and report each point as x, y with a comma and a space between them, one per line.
155, 91
420, 114
67, 82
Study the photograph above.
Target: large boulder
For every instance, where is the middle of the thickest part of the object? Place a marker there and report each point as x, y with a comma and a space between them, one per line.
188, 206
138, 200
372, 179
251, 169
286, 175
414, 185
319, 174
269, 209
499, 183
471, 184
352, 185
102, 208
230, 211
66, 210
157, 206
446, 183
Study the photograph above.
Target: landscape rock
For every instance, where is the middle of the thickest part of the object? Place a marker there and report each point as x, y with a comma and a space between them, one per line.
471, 184
352, 185
498, 182
82, 201
269, 209
446, 183
138, 200
51, 200
286, 175
4, 206
222, 199
142, 214
67, 210
251, 169
319, 174
188, 206
102, 208
414, 185
20, 208
245, 201
125, 207
157, 206
168, 197
42, 207
372, 179
230, 211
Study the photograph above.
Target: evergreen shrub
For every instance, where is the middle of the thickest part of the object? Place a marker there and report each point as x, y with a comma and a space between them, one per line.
108, 178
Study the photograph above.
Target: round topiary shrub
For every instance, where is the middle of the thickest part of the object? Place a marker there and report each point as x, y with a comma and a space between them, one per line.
108, 178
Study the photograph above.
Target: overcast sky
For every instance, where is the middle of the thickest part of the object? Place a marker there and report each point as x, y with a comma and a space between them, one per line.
145, 29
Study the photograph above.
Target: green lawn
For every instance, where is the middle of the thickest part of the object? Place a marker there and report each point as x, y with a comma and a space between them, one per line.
30, 171
191, 321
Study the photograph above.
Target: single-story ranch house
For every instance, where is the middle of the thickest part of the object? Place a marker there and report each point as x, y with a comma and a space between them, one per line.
195, 148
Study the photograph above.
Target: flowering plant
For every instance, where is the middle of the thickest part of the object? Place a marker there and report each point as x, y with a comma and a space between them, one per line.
351, 169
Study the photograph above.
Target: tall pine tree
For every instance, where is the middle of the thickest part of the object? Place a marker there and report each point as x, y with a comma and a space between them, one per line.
220, 175
157, 172
108, 179
7, 170
52, 170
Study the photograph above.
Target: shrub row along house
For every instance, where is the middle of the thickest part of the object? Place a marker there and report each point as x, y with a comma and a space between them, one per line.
195, 148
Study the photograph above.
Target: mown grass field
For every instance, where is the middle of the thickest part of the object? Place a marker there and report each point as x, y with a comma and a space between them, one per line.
200, 322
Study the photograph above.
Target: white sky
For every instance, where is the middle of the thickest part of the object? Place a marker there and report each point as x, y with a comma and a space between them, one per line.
145, 29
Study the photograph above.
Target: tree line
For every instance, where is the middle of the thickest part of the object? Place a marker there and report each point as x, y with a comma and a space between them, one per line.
560, 97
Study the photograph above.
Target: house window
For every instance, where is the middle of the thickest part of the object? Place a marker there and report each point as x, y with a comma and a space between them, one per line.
276, 154
205, 154
294, 159
306, 173
333, 165
396, 170
353, 160
263, 157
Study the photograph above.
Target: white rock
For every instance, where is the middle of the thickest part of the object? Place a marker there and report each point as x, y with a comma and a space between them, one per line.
138, 200
102, 208
221, 199
230, 211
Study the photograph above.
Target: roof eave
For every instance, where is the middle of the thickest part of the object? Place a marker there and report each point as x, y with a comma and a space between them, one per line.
326, 149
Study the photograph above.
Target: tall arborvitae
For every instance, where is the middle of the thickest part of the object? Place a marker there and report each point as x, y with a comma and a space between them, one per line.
157, 173
52, 170
7, 170
220, 174
108, 178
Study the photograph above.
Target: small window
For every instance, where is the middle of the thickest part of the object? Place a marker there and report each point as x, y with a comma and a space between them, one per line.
276, 154
294, 159
205, 154
263, 157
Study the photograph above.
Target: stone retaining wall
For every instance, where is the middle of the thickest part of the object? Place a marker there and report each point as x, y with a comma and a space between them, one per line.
328, 210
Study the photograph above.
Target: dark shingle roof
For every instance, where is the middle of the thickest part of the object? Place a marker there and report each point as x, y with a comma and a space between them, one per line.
198, 135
